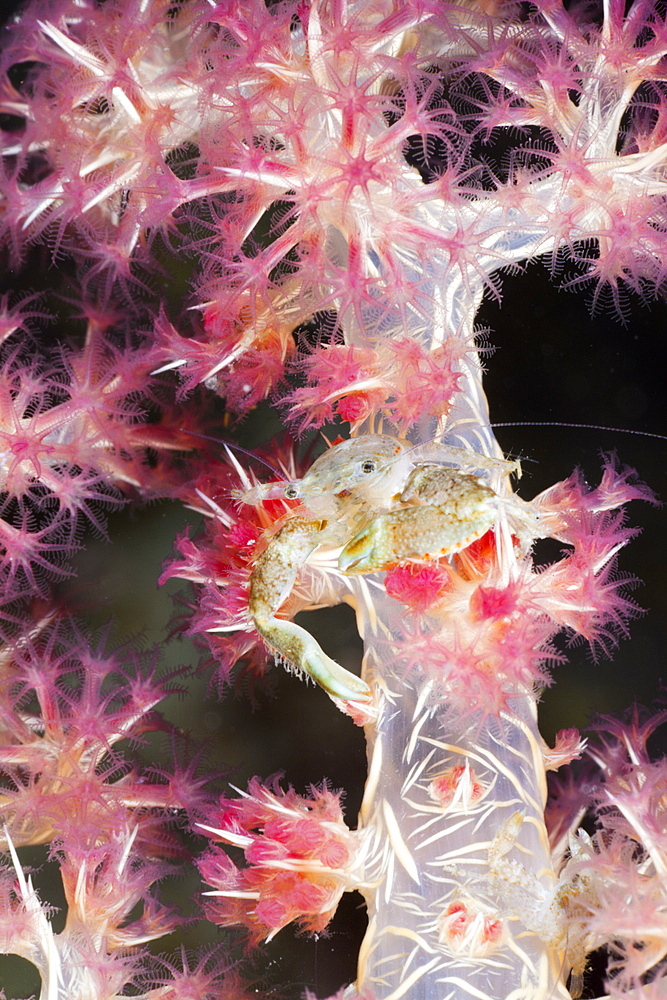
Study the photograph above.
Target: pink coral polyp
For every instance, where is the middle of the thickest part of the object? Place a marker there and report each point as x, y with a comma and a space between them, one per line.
298, 853
419, 585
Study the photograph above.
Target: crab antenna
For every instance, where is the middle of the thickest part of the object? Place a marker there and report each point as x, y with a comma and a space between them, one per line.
236, 447
590, 427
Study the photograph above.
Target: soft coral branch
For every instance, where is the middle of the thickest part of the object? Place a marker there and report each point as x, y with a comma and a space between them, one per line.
65, 708
325, 164
300, 857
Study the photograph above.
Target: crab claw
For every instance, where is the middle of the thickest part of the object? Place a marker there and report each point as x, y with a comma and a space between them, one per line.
270, 582
414, 533
300, 652
338, 682
367, 551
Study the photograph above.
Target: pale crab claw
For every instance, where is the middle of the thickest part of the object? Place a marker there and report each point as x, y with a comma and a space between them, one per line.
271, 581
412, 533
367, 551
338, 682
455, 509
302, 653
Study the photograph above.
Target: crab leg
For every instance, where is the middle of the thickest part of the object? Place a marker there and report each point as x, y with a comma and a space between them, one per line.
271, 581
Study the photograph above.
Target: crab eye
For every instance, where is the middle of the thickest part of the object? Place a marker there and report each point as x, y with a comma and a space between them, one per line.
292, 491
368, 466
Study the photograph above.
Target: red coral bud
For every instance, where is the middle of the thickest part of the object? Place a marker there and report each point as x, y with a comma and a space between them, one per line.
493, 602
419, 585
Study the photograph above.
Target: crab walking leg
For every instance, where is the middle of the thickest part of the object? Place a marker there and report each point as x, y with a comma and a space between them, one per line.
270, 583
460, 509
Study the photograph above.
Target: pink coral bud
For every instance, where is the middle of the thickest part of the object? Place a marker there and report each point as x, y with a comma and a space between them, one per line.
243, 535
457, 786
303, 837
273, 913
493, 602
418, 585
299, 854
263, 852
334, 854
308, 896
355, 407
466, 928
